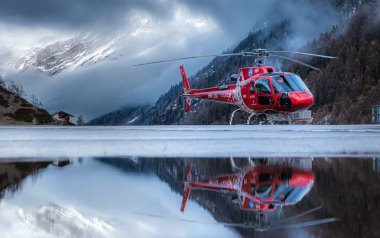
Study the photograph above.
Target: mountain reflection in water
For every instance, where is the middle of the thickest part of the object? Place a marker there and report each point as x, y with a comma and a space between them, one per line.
102, 196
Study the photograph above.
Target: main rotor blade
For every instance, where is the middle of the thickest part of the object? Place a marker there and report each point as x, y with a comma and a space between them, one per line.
186, 58
305, 224
299, 215
196, 221
177, 218
242, 225
302, 53
296, 61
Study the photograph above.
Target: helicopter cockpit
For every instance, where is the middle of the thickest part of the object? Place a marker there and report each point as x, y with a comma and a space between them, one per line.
288, 83
282, 187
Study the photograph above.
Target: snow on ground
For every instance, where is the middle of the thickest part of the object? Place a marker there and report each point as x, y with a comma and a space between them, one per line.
190, 141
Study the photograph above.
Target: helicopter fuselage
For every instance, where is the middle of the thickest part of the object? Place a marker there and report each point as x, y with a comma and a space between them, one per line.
257, 90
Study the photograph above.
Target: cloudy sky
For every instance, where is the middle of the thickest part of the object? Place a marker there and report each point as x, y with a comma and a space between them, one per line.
141, 30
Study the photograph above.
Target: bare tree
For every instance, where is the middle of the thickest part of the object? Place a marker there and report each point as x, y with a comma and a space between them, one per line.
34, 100
80, 121
17, 89
2, 82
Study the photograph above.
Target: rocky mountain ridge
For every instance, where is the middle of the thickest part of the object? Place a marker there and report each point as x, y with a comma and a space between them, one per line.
65, 54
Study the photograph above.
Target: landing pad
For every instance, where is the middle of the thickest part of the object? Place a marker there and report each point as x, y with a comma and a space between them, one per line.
190, 141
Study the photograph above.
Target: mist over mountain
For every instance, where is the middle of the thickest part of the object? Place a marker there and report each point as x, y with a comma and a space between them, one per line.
354, 33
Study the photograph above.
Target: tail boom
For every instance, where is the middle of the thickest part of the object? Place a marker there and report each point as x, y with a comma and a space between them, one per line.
224, 94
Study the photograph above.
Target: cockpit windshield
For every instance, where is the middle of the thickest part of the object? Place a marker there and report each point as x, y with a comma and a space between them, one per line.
288, 83
289, 194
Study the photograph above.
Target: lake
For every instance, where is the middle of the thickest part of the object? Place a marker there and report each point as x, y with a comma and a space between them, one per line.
246, 181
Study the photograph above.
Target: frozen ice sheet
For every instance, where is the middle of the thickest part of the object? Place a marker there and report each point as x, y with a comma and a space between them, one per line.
190, 141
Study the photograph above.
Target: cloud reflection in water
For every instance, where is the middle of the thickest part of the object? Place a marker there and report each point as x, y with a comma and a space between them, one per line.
95, 200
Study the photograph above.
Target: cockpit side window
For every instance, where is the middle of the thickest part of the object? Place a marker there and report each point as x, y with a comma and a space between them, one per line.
262, 86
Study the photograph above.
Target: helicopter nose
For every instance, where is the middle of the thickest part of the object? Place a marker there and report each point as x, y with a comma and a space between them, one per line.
301, 178
302, 100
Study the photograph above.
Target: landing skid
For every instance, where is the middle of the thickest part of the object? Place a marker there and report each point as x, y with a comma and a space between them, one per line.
303, 117
258, 119
233, 114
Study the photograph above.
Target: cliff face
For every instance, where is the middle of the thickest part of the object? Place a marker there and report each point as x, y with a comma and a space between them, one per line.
15, 110
345, 89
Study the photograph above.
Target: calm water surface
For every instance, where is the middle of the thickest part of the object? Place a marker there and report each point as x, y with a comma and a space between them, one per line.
141, 197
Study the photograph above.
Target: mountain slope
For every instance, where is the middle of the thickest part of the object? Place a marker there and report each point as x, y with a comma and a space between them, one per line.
15, 110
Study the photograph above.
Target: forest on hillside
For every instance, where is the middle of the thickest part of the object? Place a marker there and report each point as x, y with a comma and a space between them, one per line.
346, 88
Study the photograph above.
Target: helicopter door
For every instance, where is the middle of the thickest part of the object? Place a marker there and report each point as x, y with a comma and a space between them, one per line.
264, 92
248, 93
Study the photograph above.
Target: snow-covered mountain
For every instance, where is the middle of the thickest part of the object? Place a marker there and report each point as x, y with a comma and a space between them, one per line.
67, 54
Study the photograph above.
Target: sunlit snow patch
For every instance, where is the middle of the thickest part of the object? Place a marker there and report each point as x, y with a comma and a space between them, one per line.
53, 220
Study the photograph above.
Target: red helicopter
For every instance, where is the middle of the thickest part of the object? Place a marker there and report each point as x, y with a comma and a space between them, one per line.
260, 189
258, 90
257, 188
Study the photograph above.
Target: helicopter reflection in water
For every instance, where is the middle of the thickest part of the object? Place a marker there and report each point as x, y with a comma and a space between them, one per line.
257, 188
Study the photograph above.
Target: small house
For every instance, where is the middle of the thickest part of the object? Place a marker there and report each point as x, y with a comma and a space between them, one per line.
63, 116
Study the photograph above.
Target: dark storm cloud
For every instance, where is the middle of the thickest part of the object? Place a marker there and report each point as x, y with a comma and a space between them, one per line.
236, 17
112, 14
75, 13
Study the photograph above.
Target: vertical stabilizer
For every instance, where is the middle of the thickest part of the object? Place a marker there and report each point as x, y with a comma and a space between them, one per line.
186, 87
186, 189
